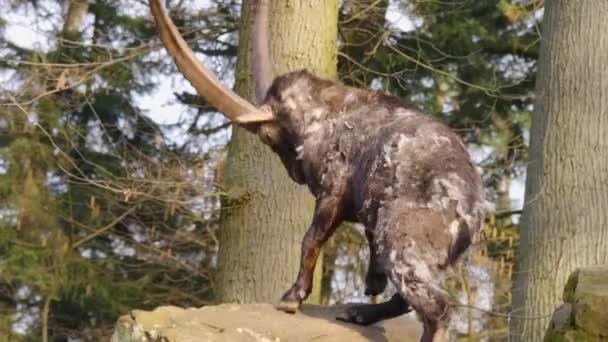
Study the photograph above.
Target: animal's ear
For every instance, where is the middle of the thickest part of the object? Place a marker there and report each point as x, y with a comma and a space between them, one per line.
259, 115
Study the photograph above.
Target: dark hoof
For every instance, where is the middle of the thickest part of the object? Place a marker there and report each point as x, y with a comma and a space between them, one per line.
288, 306
375, 284
365, 314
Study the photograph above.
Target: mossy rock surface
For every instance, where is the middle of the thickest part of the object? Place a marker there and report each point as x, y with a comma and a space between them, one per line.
572, 335
584, 316
590, 299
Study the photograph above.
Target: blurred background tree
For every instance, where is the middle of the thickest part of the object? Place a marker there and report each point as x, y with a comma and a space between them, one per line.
110, 164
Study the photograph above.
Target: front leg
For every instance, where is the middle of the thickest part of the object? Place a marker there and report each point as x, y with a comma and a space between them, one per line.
326, 218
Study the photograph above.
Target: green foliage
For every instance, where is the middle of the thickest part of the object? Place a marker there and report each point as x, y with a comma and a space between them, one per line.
101, 214
97, 212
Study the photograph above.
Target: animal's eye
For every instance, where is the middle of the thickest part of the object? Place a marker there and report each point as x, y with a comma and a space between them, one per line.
268, 138
269, 134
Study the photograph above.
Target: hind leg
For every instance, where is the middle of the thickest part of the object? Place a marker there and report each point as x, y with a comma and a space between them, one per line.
376, 280
417, 283
364, 314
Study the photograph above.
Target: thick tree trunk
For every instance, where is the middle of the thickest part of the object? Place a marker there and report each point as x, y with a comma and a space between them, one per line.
266, 215
565, 221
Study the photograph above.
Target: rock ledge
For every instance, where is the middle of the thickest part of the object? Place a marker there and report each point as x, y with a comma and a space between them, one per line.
584, 314
255, 322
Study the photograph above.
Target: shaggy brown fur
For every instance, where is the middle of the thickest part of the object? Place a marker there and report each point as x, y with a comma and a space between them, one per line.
369, 158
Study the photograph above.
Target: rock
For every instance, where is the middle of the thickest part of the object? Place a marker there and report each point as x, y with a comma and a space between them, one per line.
562, 317
578, 336
584, 316
256, 322
590, 300
570, 287
561, 323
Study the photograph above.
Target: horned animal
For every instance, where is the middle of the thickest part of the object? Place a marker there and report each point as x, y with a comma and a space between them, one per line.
367, 157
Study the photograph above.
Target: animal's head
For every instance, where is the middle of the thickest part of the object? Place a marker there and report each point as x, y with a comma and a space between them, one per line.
279, 116
299, 108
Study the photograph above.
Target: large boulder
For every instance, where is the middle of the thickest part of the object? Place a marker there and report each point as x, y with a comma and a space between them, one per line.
256, 322
584, 314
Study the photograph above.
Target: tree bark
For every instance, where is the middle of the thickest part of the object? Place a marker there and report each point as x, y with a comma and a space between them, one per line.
266, 214
77, 10
565, 221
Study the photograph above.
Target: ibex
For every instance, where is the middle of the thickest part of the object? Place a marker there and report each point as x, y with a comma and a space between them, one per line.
367, 157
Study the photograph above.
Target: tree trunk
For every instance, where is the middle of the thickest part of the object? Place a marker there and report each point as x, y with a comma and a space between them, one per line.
565, 221
266, 214
77, 10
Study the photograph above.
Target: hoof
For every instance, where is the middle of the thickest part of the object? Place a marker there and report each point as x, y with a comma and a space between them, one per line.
365, 314
287, 306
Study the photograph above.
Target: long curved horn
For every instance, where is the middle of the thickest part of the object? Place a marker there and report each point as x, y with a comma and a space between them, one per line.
206, 84
260, 38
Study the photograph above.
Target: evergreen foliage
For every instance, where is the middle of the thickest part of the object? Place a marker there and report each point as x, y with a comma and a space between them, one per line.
100, 211
103, 210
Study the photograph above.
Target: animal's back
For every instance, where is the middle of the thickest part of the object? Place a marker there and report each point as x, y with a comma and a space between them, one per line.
419, 190
419, 196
